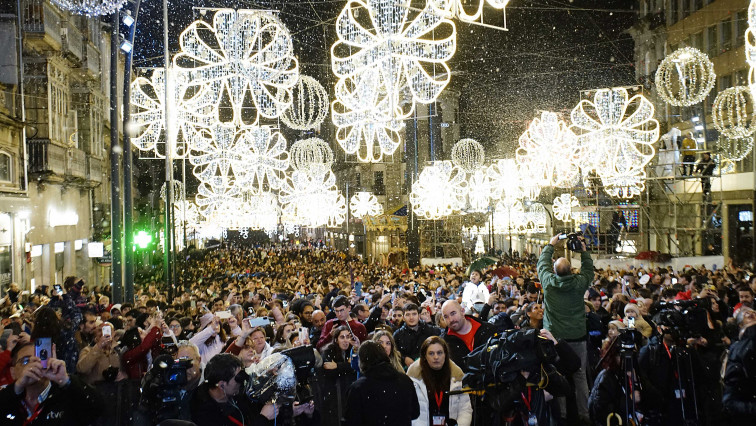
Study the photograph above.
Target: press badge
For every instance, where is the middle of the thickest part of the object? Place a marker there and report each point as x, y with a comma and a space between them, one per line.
439, 421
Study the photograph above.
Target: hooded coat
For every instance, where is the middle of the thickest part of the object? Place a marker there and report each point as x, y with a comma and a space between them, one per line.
383, 396
460, 408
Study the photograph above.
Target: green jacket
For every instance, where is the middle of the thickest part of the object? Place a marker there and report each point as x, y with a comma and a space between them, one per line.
563, 306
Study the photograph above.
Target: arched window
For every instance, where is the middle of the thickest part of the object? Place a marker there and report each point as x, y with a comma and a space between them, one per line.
6, 167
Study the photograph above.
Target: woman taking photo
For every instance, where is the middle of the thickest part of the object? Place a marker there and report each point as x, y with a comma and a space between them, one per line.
434, 374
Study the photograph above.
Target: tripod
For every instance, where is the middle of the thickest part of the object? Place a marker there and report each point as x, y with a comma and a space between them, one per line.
629, 382
685, 384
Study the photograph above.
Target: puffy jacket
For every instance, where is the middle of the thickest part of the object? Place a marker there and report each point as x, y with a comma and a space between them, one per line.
740, 379
460, 408
563, 307
408, 341
457, 348
74, 404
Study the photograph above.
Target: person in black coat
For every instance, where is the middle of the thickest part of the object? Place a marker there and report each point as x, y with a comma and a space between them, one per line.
336, 375
739, 382
411, 335
382, 396
457, 334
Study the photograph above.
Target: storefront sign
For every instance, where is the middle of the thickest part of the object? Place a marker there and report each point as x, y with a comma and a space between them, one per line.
62, 218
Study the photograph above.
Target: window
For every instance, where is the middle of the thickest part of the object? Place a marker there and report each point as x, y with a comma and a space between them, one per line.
696, 40
358, 180
740, 24
712, 42
726, 32
5, 167
379, 188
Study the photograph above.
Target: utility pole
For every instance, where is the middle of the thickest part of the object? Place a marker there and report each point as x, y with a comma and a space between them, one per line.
115, 175
168, 228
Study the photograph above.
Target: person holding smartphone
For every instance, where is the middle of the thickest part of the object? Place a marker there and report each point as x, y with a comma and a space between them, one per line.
99, 362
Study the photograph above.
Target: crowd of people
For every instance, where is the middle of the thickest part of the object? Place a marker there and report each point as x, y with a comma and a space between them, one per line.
306, 335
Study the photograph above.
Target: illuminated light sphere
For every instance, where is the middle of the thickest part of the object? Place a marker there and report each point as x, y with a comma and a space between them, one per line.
733, 112
266, 158
439, 191
462, 10
685, 77
479, 192
247, 57
750, 40
365, 204
311, 155
549, 151
563, 207
309, 105
734, 149
616, 137
468, 155
90, 7
385, 35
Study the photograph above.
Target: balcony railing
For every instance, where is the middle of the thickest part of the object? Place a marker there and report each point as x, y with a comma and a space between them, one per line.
72, 43
39, 17
94, 169
46, 158
92, 60
76, 166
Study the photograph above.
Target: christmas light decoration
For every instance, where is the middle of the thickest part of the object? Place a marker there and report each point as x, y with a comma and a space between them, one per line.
191, 111
312, 199
365, 204
266, 159
456, 8
221, 158
185, 213
616, 137
399, 47
563, 207
468, 155
479, 247
309, 105
549, 151
179, 194
90, 7
311, 155
734, 149
535, 219
509, 218
685, 77
750, 49
216, 201
262, 210
244, 55
733, 112
439, 190
510, 182
479, 192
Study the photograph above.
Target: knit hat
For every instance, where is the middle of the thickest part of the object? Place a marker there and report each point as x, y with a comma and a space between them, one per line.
206, 319
632, 307
619, 324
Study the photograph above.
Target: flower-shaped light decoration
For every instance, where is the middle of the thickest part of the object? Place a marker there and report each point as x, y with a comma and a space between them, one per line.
191, 108
509, 218
549, 151
685, 77
398, 47
311, 155
468, 155
439, 190
244, 55
217, 203
309, 105
90, 7
185, 213
750, 40
222, 158
563, 207
511, 182
262, 210
267, 159
311, 199
367, 121
734, 149
365, 204
733, 112
456, 8
616, 136
479, 192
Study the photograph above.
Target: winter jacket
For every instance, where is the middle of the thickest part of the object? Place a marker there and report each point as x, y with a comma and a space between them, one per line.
460, 408
335, 383
71, 316
93, 361
73, 404
325, 335
740, 379
563, 307
606, 397
383, 396
134, 361
208, 412
473, 294
408, 341
207, 350
457, 348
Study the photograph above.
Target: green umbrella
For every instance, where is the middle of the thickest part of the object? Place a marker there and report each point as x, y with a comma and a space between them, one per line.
481, 263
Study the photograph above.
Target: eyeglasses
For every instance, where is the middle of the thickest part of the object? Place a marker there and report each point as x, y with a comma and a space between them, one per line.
175, 326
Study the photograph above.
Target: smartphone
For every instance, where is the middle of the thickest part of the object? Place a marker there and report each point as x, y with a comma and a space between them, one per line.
562, 236
302, 334
58, 290
674, 281
43, 350
358, 289
258, 322
106, 331
223, 314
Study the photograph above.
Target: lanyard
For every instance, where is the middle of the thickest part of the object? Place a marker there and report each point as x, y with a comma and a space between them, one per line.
439, 399
670, 355
234, 421
34, 415
527, 400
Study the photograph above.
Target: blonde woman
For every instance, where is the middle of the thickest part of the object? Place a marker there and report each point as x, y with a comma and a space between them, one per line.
386, 340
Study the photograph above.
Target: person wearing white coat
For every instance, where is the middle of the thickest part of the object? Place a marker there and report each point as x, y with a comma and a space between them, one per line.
475, 291
434, 365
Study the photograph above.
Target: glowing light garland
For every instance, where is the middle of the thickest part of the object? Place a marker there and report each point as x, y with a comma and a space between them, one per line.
750, 49
685, 77
456, 8
221, 158
244, 54
365, 204
468, 155
439, 191
267, 159
311, 155
549, 150
616, 138
563, 207
90, 7
309, 105
733, 112
510, 182
734, 149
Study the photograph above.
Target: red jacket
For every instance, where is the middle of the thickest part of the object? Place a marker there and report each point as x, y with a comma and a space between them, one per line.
135, 360
5, 367
357, 328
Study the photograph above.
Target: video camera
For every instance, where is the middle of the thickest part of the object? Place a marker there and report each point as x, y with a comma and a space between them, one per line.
684, 318
573, 241
161, 389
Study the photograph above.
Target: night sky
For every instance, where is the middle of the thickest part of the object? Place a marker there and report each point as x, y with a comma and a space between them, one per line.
553, 49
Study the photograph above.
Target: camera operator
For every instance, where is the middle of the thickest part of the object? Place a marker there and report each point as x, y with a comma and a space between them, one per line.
563, 307
740, 380
215, 402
